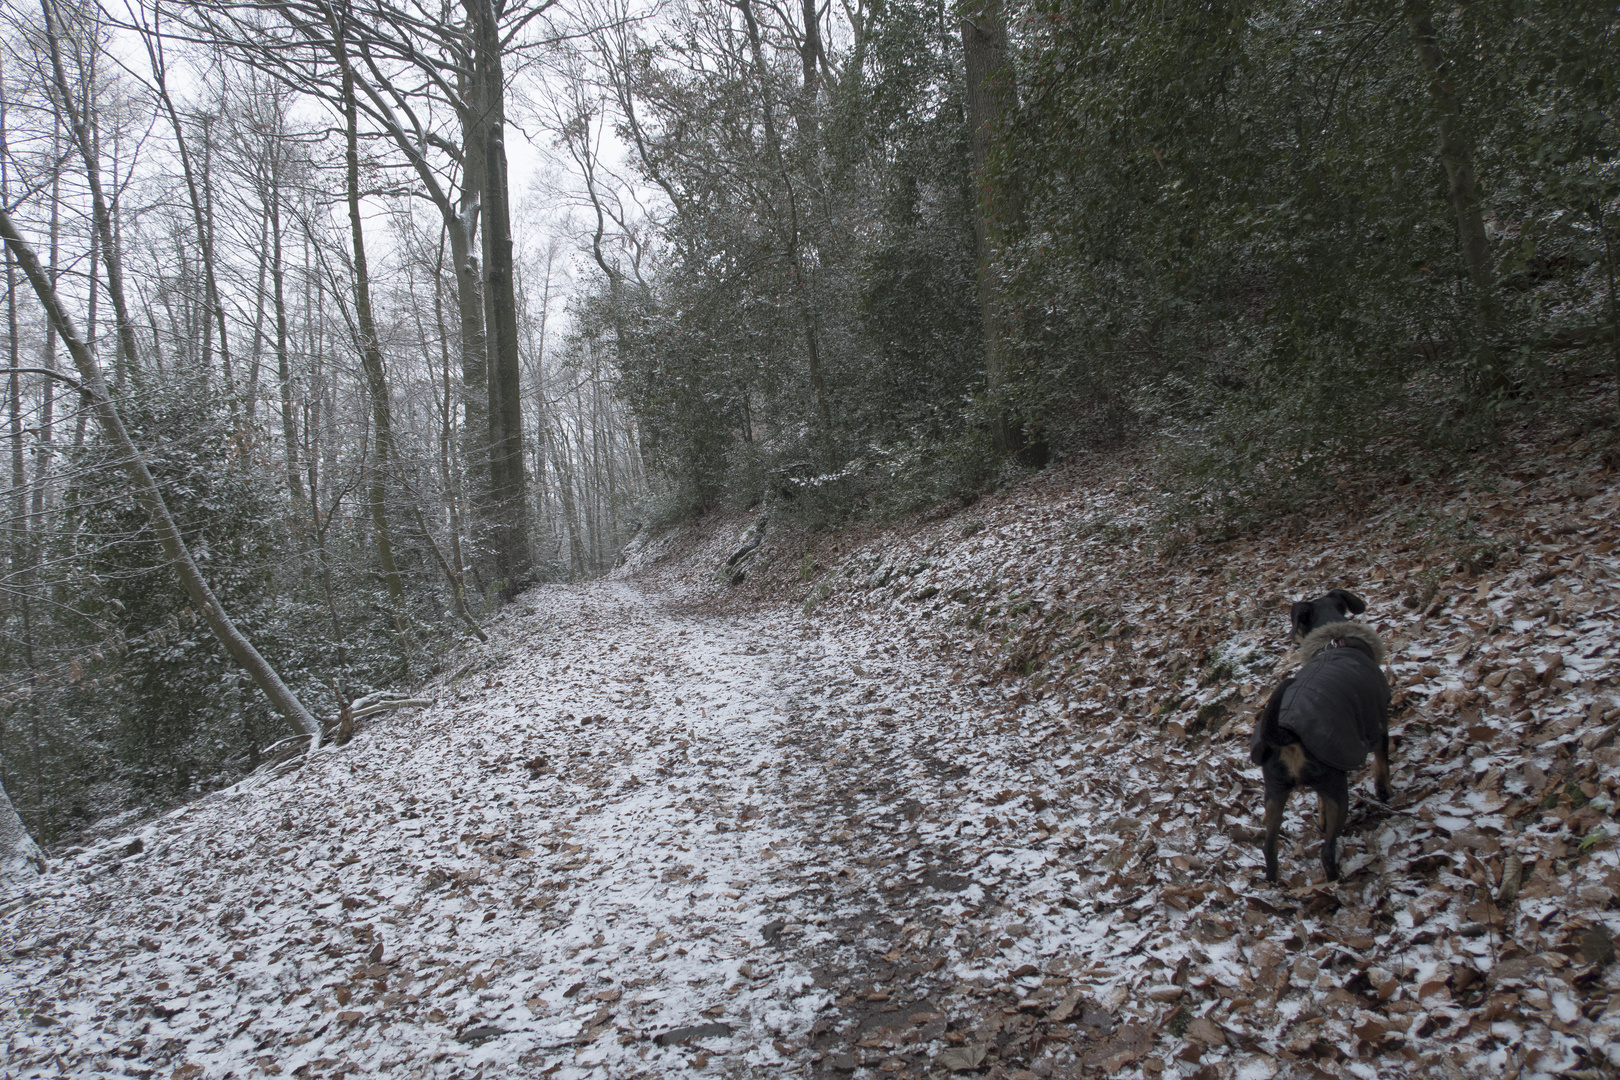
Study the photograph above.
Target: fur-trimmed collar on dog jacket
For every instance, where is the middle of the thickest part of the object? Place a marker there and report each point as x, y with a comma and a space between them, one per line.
1357, 634
1338, 701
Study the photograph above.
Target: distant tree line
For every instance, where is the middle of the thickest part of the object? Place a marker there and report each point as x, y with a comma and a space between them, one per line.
286, 233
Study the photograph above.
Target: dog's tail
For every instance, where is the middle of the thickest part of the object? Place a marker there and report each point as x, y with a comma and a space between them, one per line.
1266, 731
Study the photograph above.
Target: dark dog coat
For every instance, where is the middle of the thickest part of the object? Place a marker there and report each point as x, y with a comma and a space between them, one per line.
1338, 700
1321, 722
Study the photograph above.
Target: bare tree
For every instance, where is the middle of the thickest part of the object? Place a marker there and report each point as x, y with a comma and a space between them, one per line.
370, 348
197, 192
456, 60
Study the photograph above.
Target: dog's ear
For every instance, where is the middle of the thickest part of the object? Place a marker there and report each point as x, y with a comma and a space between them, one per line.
1300, 615
1350, 600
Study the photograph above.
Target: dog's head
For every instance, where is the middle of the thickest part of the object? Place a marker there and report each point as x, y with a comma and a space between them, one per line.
1336, 606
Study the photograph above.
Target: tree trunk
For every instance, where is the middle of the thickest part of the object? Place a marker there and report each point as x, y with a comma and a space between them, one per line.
313, 443
810, 57
507, 477
463, 230
992, 96
100, 212
563, 467
508, 486
90, 309
201, 216
370, 349
448, 472
466, 250
793, 240
289, 418
47, 409
150, 497
810, 50
1462, 189
20, 561
258, 321
21, 861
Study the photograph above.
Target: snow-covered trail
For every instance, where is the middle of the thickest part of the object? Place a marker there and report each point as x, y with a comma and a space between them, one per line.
632, 821
642, 839
987, 807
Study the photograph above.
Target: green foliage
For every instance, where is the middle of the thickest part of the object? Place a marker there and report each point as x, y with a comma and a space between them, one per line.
1236, 235
821, 591
917, 304
1240, 238
132, 700
166, 716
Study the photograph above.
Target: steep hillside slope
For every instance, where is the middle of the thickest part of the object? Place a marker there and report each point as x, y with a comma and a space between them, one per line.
1472, 928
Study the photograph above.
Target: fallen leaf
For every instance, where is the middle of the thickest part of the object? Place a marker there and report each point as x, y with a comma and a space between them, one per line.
1128, 1045
1065, 1008
961, 1058
1597, 947
676, 1036
1370, 1031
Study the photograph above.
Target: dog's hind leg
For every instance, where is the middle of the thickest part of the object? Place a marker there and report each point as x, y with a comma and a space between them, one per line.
1276, 798
1334, 796
1381, 768
1274, 816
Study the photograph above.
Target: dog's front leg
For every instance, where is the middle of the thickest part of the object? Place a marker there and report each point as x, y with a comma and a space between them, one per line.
1277, 789
1334, 795
1381, 768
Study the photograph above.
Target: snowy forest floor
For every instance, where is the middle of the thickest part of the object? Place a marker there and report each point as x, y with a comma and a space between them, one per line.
965, 795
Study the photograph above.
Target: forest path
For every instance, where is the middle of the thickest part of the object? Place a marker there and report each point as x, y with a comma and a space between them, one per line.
635, 822
974, 812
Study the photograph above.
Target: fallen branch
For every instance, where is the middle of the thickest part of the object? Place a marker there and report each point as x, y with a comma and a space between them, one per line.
275, 749
384, 706
57, 375
749, 546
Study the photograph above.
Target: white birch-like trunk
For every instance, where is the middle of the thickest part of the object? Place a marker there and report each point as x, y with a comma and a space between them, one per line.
21, 861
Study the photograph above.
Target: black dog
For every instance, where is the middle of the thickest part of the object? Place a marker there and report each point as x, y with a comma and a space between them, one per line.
1322, 721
